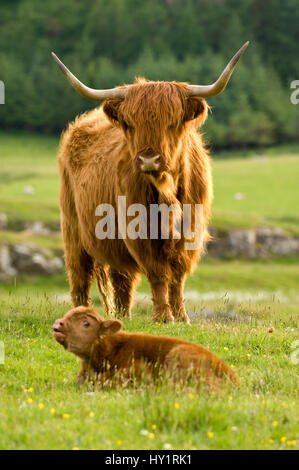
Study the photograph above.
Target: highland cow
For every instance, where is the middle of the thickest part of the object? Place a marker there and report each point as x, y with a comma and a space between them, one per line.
143, 144
107, 352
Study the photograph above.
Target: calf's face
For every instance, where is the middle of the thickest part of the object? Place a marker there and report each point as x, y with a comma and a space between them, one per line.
78, 330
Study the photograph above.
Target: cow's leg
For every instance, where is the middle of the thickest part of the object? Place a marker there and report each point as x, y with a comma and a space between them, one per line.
176, 299
79, 267
123, 286
79, 264
159, 288
105, 287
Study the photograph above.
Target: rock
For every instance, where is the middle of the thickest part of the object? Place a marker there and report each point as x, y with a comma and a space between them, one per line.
29, 190
211, 314
6, 269
267, 234
254, 243
276, 241
3, 222
38, 228
56, 264
289, 246
242, 242
28, 259
239, 196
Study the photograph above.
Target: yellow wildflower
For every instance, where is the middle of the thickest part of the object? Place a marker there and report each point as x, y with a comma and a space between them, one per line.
210, 434
41, 405
275, 423
65, 416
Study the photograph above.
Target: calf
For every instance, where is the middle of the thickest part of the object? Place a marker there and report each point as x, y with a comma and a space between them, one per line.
108, 352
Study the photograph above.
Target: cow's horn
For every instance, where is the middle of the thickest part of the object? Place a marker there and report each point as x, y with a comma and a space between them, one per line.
217, 87
85, 91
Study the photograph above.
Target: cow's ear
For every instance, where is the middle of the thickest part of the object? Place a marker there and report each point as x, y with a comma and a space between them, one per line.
110, 327
196, 108
111, 109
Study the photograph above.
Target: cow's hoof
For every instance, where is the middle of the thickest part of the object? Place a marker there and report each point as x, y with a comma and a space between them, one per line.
159, 320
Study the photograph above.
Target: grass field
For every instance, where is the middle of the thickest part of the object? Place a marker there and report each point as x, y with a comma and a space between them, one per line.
233, 305
38, 376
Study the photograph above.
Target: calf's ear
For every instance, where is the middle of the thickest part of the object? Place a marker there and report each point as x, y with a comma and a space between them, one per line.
196, 108
109, 327
111, 109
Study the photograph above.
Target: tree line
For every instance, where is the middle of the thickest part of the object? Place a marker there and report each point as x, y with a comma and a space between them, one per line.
108, 43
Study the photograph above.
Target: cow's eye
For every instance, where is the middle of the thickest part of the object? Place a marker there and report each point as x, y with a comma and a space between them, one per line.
86, 323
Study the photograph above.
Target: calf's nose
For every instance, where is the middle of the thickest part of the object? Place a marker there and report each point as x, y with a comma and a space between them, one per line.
57, 324
149, 163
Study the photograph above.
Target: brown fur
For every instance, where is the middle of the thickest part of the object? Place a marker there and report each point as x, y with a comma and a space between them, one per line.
98, 163
106, 351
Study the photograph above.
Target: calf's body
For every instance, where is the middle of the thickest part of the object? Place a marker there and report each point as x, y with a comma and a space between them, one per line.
106, 351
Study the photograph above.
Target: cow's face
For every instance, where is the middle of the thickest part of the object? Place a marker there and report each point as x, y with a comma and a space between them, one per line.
80, 328
153, 116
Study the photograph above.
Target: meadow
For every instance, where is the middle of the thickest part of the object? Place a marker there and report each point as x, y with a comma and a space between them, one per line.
246, 311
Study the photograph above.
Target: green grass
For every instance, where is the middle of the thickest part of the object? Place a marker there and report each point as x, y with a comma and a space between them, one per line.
267, 180
29, 160
245, 297
239, 419
270, 189
211, 275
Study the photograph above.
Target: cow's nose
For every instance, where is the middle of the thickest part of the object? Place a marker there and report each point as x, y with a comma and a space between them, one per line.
149, 163
57, 324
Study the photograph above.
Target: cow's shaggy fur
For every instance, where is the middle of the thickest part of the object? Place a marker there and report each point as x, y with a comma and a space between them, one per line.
98, 162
